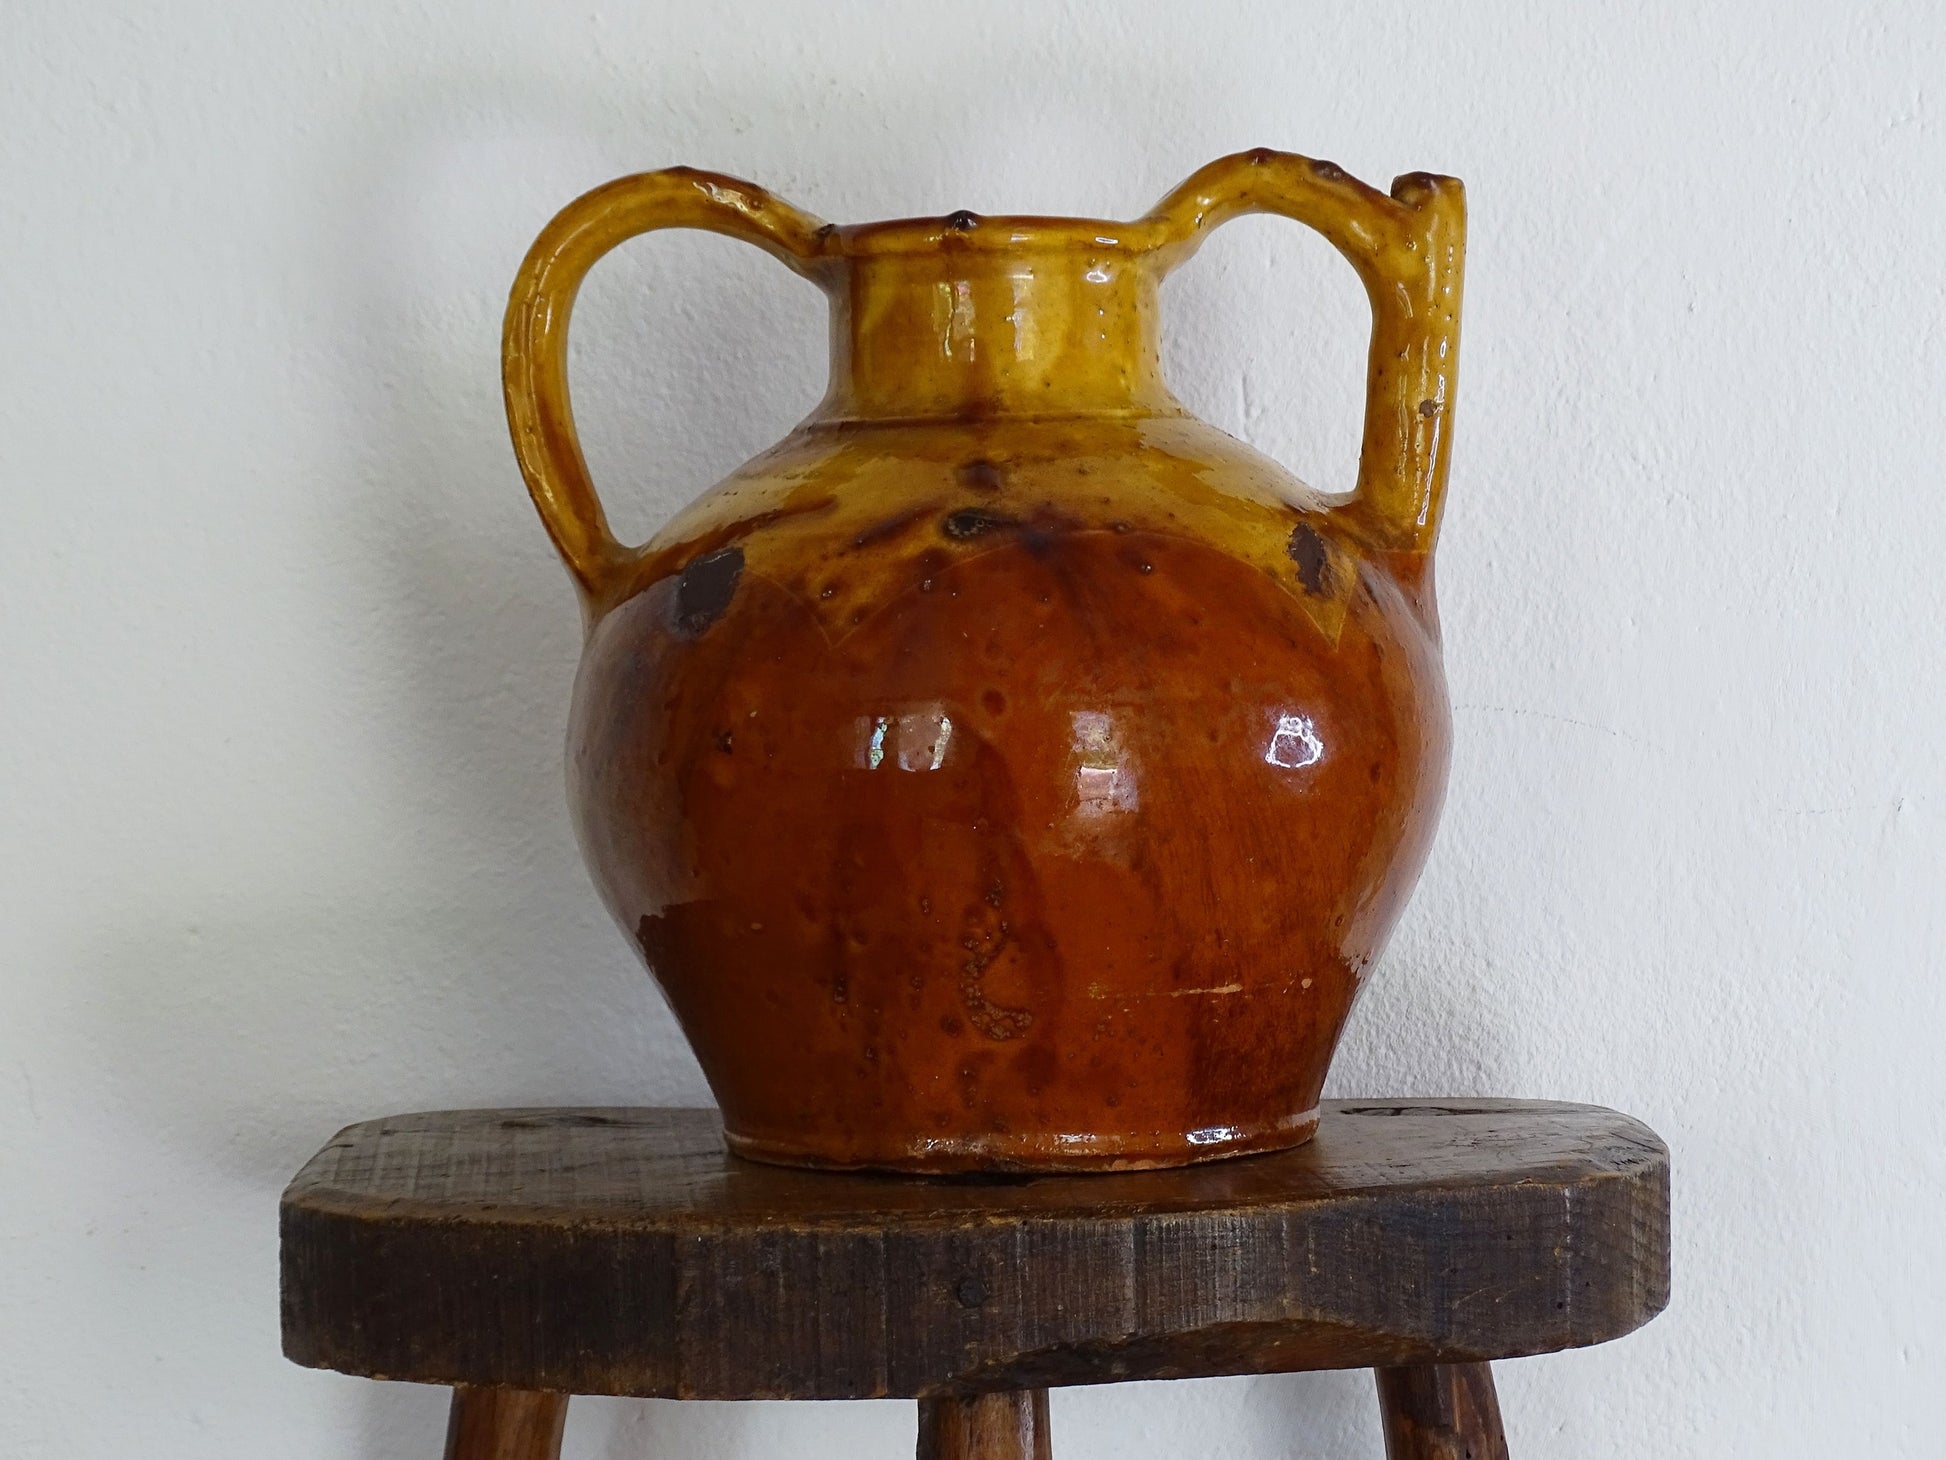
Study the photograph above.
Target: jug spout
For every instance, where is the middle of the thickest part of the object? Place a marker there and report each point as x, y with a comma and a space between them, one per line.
969, 316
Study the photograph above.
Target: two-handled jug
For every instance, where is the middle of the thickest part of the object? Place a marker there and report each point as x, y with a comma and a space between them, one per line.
1008, 769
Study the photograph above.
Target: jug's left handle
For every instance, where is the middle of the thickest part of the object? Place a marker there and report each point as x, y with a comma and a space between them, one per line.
534, 352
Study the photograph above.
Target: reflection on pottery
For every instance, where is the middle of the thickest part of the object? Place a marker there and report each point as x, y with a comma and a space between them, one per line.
1008, 769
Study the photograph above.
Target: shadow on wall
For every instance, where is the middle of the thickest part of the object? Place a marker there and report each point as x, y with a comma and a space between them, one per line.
265, 1030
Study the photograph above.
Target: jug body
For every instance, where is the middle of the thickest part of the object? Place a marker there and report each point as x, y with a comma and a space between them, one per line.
1009, 770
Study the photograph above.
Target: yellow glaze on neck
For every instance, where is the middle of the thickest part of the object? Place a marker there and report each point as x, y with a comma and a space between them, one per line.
988, 316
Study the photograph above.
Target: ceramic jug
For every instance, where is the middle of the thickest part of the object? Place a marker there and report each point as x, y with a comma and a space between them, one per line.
1008, 770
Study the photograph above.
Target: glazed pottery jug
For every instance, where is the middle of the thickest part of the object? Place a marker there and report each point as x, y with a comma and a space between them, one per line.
1007, 770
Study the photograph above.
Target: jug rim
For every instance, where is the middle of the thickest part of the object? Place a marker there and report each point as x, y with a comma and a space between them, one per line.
992, 233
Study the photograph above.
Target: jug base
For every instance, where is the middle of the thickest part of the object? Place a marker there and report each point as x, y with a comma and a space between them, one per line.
1037, 1152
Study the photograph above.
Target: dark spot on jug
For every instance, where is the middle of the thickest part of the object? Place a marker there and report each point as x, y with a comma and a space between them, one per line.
1046, 530
705, 589
1035, 1067
963, 221
890, 528
1313, 558
1040, 541
982, 476
973, 521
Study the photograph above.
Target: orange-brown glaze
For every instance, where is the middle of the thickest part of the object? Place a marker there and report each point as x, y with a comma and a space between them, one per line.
1007, 769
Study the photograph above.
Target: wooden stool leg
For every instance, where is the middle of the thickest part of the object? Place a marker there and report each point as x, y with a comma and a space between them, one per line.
1006, 1426
505, 1424
1441, 1412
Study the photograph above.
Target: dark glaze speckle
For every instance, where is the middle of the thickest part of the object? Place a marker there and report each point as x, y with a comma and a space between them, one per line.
1307, 549
888, 530
705, 589
972, 521
982, 476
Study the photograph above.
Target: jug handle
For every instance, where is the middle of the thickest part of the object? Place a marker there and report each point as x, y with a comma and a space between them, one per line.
1409, 251
534, 350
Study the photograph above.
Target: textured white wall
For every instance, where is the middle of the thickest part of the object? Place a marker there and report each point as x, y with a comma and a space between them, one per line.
284, 656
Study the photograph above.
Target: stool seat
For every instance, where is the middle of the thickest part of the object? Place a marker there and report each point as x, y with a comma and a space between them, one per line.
624, 1251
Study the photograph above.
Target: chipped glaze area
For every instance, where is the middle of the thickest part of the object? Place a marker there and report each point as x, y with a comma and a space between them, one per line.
1008, 769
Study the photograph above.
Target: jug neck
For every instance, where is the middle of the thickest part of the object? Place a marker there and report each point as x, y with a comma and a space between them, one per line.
969, 317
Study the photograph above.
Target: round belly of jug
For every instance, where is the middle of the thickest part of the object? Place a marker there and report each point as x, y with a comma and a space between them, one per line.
1072, 854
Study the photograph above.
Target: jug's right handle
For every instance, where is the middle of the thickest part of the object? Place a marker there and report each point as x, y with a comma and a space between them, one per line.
534, 350
1409, 249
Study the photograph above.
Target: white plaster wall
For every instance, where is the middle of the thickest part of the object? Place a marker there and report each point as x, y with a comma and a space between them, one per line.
284, 655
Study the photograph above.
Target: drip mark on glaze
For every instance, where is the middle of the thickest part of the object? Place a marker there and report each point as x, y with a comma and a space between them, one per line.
890, 528
985, 940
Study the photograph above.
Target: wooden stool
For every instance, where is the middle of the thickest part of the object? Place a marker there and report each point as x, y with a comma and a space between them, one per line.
525, 1255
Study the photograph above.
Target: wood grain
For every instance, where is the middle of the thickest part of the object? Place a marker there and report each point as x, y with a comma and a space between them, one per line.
1010, 1424
505, 1424
624, 1252
1441, 1412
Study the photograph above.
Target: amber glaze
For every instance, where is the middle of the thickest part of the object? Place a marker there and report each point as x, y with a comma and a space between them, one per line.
1008, 769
